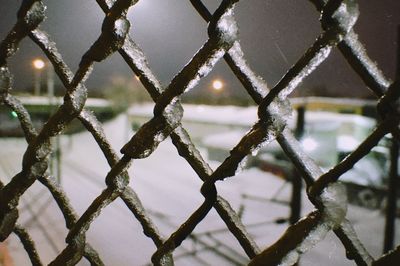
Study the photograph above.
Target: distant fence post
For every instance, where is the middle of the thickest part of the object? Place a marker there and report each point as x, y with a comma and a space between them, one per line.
391, 208
295, 202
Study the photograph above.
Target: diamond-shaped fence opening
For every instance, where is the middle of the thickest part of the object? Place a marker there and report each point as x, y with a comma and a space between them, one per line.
323, 189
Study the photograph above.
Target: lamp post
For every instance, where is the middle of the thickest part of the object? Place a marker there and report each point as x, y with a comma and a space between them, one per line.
218, 91
38, 65
50, 83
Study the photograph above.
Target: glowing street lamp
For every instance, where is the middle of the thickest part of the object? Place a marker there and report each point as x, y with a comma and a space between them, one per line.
217, 85
38, 65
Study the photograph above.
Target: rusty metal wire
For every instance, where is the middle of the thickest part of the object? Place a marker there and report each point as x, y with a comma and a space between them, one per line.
337, 20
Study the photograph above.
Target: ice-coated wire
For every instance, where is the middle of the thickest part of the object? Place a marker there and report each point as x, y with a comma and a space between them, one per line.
135, 59
324, 191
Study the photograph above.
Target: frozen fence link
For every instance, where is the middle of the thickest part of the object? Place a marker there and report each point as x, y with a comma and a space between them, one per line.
305, 234
5, 80
113, 32
28, 244
341, 14
334, 204
30, 15
388, 259
167, 113
324, 190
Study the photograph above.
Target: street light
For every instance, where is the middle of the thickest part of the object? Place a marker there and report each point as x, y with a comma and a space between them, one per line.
217, 85
38, 64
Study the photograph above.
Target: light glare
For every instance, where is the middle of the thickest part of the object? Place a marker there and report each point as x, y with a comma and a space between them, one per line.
38, 63
217, 85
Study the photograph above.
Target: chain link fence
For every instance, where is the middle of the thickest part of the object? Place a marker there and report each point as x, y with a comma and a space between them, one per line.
323, 189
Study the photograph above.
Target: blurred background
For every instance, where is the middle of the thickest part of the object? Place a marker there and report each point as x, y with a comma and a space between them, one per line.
273, 34
333, 113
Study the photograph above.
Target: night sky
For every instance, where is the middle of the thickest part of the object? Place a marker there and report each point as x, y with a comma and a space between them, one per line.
273, 34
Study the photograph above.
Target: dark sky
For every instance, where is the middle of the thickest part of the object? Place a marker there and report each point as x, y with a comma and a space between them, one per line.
273, 34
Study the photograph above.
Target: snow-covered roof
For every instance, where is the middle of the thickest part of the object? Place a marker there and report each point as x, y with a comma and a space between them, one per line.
44, 100
247, 116
226, 115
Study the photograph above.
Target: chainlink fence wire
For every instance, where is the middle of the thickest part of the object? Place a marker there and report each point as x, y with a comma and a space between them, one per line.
338, 18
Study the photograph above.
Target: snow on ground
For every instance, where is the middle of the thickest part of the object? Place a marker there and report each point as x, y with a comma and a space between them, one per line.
169, 190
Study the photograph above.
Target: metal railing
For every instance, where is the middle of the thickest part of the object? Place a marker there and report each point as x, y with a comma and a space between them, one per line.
323, 189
